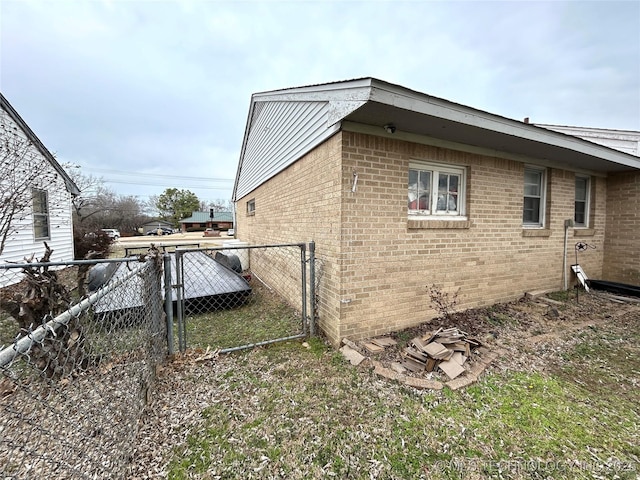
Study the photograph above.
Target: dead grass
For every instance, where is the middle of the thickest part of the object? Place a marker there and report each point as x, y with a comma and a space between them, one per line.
562, 405
264, 316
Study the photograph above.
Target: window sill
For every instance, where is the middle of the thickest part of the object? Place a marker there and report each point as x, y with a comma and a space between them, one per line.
536, 232
584, 232
415, 224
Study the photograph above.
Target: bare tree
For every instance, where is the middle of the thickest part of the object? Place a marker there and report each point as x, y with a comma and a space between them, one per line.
218, 205
99, 207
88, 203
24, 172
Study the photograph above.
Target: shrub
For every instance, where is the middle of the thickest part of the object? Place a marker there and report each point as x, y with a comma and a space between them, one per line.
91, 244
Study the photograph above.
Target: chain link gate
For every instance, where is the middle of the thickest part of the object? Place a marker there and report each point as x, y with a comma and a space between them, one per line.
236, 297
74, 385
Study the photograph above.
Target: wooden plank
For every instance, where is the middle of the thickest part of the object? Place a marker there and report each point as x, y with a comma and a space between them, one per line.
411, 364
416, 354
428, 338
459, 358
384, 341
431, 365
451, 368
419, 343
352, 355
434, 349
373, 348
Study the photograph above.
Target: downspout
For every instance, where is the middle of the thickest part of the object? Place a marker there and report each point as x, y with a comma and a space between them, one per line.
567, 224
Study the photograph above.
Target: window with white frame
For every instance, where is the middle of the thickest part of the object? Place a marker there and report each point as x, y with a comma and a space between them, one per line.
534, 197
40, 214
581, 214
251, 207
436, 190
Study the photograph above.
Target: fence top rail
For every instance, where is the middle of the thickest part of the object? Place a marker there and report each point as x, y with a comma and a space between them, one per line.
7, 266
240, 247
23, 344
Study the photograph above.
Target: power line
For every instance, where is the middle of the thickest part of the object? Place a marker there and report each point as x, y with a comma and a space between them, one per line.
166, 184
159, 175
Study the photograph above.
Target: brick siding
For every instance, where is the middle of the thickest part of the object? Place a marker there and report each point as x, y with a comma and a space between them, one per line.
375, 264
622, 242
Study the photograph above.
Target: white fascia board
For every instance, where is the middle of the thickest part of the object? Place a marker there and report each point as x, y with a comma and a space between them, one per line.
436, 107
350, 89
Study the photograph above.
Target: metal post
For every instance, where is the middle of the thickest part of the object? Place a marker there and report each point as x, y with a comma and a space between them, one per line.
168, 301
312, 287
179, 301
156, 284
303, 263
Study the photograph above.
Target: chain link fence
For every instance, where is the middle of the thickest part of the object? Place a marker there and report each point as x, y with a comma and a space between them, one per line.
79, 346
241, 296
80, 343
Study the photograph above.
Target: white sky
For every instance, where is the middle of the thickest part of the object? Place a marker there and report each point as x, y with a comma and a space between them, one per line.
162, 88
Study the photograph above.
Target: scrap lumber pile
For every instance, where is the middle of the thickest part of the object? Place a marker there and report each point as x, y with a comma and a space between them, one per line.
446, 349
377, 345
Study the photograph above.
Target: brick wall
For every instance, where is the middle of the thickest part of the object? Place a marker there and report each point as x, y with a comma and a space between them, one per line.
300, 204
375, 264
622, 243
388, 260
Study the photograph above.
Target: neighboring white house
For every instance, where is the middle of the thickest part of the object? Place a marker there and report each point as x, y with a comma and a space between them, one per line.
627, 141
36, 195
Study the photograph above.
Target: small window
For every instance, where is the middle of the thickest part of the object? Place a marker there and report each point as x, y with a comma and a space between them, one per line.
534, 198
581, 215
251, 207
40, 214
436, 190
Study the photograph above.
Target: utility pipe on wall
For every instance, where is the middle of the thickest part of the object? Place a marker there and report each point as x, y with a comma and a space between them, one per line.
567, 224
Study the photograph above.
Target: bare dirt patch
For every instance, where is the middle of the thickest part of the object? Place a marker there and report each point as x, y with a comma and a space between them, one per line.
524, 333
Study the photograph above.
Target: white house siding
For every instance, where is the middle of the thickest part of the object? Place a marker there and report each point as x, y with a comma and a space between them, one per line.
22, 244
281, 132
627, 141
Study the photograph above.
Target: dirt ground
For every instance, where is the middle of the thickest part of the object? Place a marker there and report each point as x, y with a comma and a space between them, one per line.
531, 335
524, 333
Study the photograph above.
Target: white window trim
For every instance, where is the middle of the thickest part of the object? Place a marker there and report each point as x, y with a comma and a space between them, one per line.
435, 169
46, 215
587, 203
543, 197
251, 207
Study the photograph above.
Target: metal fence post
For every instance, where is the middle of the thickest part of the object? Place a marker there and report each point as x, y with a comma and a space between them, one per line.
312, 287
303, 263
182, 342
168, 301
153, 292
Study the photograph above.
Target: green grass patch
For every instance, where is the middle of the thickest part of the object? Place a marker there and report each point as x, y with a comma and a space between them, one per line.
562, 295
294, 412
264, 316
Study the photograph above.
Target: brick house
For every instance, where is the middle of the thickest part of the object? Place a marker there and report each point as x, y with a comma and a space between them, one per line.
199, 221
401, 190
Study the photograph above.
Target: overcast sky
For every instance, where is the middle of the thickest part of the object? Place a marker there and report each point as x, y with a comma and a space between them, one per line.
154, 94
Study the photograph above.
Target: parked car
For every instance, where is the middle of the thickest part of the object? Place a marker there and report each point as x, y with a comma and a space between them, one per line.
160, 231
231, 232
211, 232
112, 232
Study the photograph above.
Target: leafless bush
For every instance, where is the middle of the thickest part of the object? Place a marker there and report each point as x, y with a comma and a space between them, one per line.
444, 302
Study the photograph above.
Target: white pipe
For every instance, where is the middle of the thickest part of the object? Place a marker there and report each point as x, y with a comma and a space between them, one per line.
567, 224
